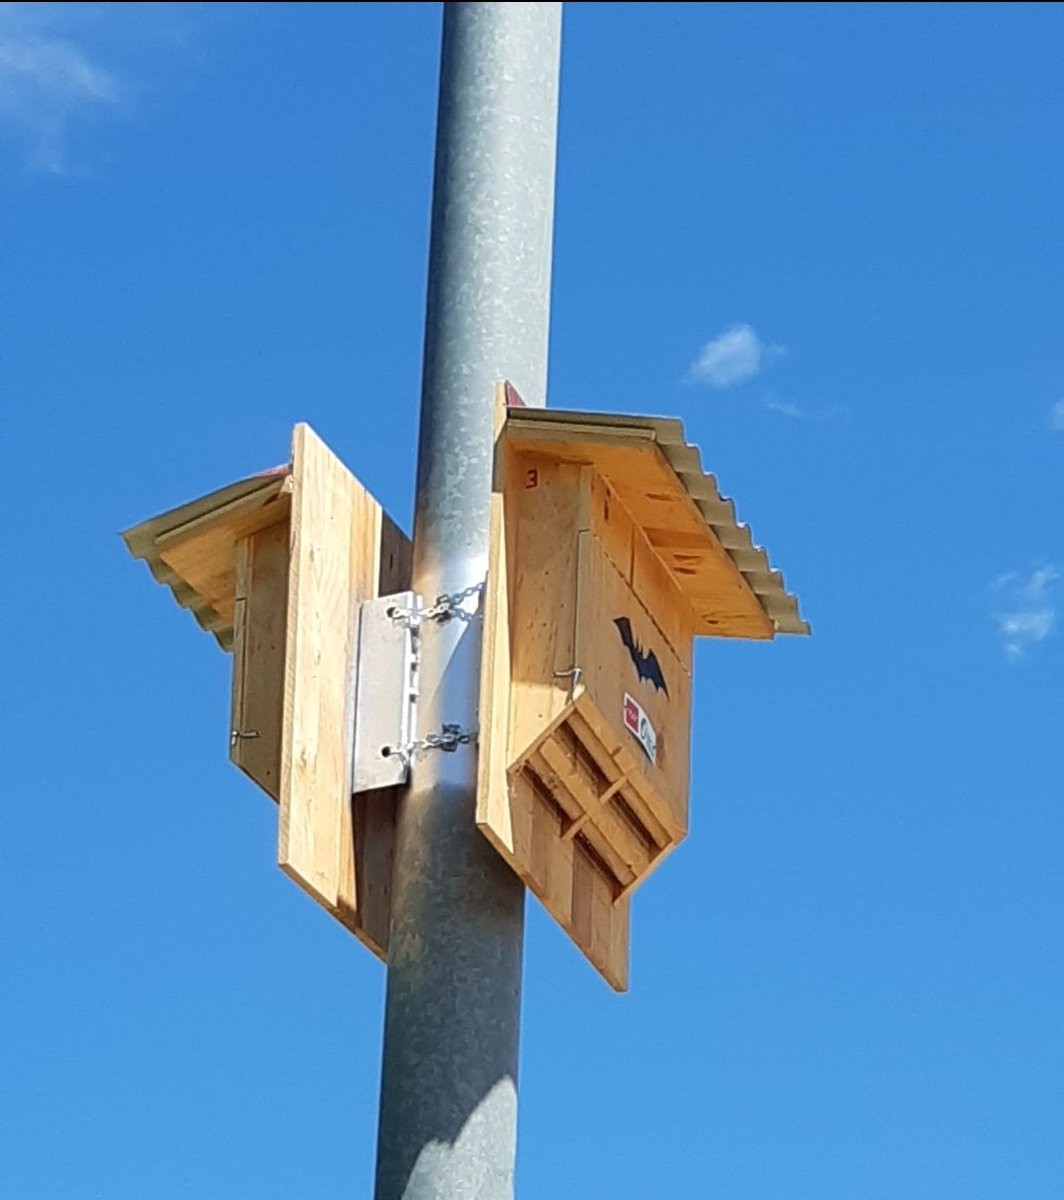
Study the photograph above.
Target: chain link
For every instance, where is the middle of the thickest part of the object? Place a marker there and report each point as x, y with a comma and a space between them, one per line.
450, 605
448, 740
447, 606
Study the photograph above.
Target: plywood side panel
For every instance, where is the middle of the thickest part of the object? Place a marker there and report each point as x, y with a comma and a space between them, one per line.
260, 616
334, 565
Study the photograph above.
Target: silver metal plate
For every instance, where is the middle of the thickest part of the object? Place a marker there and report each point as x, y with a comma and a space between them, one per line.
385, 692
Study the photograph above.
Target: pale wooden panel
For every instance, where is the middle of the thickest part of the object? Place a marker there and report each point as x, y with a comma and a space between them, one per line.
599, 926
567, 880
612, 524
261, 600
543, 578
493, 799
610, 673
365, 901
661, 597
494, 814
336, 530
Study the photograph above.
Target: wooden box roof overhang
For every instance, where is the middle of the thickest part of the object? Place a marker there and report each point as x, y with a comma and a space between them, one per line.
728, 581
731, 587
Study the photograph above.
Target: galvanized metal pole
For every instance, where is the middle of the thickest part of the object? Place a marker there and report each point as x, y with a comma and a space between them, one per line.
448, 1116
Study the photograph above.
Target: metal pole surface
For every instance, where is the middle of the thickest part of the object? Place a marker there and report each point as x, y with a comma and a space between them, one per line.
448, 1113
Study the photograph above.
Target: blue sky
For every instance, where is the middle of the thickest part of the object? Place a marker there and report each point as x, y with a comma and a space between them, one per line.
828, 237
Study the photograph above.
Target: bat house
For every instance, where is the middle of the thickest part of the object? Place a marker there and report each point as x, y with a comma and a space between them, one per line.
275, 566
610, 551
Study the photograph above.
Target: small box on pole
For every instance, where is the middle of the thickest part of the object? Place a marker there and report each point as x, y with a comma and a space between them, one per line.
610, 551
277, 566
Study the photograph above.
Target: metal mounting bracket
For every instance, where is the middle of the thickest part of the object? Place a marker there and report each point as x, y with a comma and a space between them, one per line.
385, 687
385, 690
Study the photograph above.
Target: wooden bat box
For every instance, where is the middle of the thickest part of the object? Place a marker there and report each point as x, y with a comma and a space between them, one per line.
276, 566
603, 569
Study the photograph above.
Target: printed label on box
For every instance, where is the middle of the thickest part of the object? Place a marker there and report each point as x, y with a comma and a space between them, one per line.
638, 723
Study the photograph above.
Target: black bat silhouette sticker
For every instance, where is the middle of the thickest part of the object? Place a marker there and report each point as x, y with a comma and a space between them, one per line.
645, 662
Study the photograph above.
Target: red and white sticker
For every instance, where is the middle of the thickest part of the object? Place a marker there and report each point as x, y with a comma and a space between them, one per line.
638, 723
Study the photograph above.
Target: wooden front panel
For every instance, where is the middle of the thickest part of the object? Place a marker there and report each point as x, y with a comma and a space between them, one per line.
344, 549
543, 503
624, 654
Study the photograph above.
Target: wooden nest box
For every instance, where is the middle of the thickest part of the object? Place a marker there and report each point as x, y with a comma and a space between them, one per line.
276, 566
610, 552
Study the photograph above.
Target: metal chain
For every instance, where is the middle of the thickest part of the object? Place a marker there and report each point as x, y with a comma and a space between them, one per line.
448, 740
447, 606
450, 605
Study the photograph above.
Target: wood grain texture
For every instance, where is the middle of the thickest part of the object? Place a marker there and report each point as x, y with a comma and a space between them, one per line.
283, 559
611, 673
260, 618
544, 508
565, 794
202, 551
720, 599
493, 801
334, 565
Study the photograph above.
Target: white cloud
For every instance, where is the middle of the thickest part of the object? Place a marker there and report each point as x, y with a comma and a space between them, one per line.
65, 65
1025, 609
44, 80
788, 408
731, 357
1056, 417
